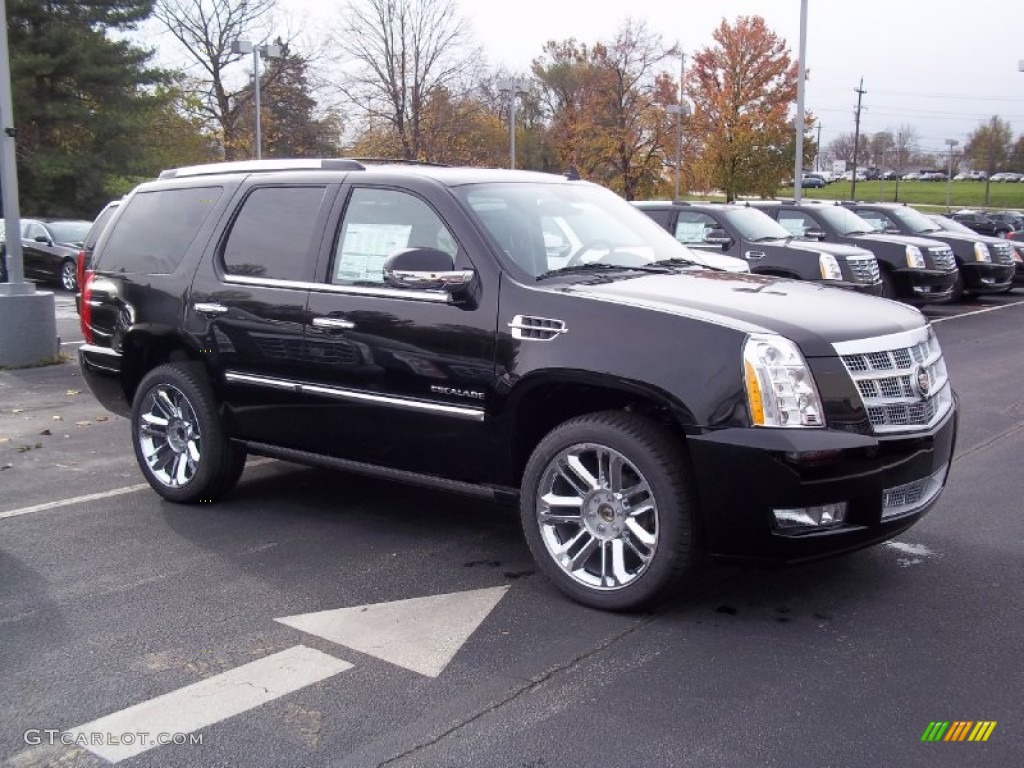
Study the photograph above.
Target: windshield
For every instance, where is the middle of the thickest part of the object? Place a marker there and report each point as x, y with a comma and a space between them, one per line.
843, 220
558, 226
756, 225
916, 222
69, 231
952, 225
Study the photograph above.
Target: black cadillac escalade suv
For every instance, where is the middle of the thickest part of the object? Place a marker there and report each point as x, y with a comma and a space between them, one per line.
414, 323
768, 248
917, 270
984, 264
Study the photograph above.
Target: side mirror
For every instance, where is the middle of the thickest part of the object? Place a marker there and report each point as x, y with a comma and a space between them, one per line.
425, 269
718, 237
42, 239
817, 234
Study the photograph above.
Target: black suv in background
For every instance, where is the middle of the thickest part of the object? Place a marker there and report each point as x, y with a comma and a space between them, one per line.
982, 224
768, 249
913, 269
985, 265
413, 323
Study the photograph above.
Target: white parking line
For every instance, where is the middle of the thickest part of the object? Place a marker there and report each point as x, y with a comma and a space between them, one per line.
978, 312
250, 464
139, 728
74, 500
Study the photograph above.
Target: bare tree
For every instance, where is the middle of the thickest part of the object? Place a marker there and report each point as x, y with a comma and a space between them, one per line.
206, 29
405, 50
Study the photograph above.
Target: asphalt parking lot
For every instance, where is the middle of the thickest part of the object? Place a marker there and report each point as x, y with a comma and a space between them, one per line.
319, 619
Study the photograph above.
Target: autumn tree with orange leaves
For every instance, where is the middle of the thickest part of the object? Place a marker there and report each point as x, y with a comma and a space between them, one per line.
742, 90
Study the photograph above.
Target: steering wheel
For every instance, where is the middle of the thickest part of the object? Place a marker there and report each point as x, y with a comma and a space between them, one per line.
591, 245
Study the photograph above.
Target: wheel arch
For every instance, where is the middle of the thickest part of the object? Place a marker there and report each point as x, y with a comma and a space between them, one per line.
145, 347
542, 401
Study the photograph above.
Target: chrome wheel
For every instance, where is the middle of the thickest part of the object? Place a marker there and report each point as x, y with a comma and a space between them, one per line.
597, 516
169, 436
68, 276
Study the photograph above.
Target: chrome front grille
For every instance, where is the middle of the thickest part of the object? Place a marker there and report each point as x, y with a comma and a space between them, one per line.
1001, 253
864, 268
902, 379
943, 258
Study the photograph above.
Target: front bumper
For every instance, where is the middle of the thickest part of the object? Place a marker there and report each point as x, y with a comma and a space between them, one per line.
745, 474
926, 286
982, 277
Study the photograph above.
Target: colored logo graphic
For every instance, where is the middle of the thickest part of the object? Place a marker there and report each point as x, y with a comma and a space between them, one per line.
959, 730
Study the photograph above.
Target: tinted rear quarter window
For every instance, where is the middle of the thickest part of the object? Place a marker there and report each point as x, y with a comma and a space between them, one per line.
97, 227
274, 233
156, 229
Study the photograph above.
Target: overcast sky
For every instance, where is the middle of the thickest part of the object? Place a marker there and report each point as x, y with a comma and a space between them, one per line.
939, 65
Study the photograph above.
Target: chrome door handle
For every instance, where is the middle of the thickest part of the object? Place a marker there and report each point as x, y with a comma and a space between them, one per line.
754, 255
333, 322
206, 308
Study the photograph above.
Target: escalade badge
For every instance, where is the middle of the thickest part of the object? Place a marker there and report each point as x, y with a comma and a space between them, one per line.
923, 382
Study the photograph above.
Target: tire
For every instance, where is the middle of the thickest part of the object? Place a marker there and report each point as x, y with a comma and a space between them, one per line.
188, 458
68, 275
596, 556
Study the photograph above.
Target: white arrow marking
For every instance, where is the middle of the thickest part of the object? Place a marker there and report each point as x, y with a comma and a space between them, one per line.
421, 634
204, 703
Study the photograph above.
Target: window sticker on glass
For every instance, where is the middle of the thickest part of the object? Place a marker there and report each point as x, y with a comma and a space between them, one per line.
364, 249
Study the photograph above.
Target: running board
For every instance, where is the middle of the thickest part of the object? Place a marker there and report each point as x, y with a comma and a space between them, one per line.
384, 473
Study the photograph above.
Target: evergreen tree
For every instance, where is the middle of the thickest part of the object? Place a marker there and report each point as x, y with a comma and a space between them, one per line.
82, 101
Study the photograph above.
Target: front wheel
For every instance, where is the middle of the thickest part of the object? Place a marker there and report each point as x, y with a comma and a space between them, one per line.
180, 442
607, 510
889, 286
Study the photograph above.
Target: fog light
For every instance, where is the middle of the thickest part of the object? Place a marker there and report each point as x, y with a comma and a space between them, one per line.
822, 516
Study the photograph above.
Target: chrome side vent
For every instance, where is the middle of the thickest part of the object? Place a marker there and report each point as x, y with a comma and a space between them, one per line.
536, 328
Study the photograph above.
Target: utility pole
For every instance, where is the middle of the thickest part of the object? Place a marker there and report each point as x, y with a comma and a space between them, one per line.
899, 164
513, 86
679, 110
856, 137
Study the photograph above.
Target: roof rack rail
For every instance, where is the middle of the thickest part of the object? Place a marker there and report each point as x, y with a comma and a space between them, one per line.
397, 161
255, 166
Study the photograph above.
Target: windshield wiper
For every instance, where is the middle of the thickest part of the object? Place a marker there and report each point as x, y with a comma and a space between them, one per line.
676, 261
596, 266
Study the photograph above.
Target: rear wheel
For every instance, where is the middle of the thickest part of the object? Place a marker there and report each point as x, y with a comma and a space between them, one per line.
180, 441
68, 275
607, 510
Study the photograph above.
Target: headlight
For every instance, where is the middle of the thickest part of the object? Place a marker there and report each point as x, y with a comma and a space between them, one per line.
780, 388
981, 252
829, 267
915, 259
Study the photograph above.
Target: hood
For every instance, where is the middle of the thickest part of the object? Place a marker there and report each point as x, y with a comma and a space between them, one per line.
717, 260
920, 242
839, 250
963, 237
810, 314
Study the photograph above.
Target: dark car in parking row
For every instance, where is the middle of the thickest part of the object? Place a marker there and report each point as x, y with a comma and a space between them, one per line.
984, 264
981, 223
765, 245
1015, 240
913, 269
50, 249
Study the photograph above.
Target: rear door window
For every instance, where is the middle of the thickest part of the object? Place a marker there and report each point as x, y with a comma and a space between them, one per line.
156, 229
275, 234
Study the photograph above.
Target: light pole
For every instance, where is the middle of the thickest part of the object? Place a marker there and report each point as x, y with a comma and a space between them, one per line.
267, 52
680, 110
512, 86
949, 176
798, 163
